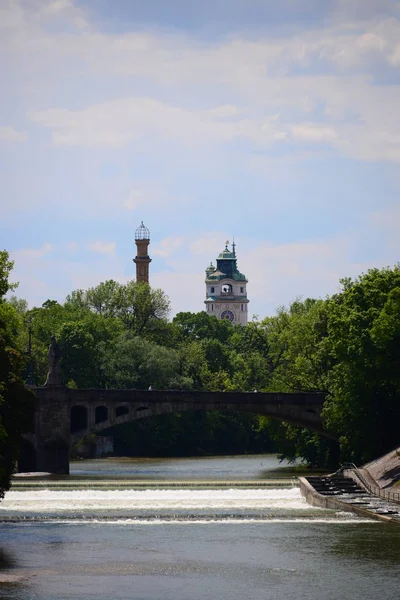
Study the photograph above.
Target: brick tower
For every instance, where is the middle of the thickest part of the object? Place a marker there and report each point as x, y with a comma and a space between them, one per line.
142, 259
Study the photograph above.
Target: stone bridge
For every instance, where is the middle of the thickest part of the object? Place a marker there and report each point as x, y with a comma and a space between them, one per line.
64, 415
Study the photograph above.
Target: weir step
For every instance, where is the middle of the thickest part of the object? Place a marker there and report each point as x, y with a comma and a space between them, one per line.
335, 486
348, 492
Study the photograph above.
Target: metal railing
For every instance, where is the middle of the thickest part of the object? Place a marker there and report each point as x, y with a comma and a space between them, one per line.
375, 490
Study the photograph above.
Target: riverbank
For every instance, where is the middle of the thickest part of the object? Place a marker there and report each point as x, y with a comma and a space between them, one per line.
384, 471
368, 506
376, 478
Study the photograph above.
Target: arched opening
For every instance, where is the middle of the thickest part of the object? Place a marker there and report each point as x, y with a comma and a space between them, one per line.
189, 433
227, 289
101, 414
79, 418
121, 410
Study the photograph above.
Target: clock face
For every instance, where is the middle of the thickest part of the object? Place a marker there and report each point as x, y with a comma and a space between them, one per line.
227, 314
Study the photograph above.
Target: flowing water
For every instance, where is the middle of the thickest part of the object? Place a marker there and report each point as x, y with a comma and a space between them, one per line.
180, 529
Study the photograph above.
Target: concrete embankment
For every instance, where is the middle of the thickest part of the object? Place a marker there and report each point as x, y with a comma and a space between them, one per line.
376, 481
384, 471
314, 498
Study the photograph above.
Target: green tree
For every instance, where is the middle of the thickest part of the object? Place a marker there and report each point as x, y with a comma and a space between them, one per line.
294, 344
6, 266
140, 308
134, 362
363, 408
16, 401
201, 326
45, 321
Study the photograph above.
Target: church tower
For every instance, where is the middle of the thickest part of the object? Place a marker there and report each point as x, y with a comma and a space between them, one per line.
226, 295
142, 259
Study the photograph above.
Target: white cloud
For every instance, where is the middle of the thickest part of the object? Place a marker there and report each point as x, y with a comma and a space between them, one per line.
32, 254
313, 133
208, 245
56, 6
372, 134
255, 78
118, 122
395, 56
167, 246
224, 112
9, 134
136, 199
173, 112
103, 247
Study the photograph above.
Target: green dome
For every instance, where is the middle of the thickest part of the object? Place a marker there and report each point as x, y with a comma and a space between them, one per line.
226, 254
210, 268
226, 267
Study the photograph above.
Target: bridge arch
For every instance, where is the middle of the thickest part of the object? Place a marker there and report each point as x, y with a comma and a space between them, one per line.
122, 410
100, 414
302, 409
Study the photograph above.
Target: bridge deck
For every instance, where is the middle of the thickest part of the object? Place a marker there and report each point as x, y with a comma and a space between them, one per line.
194, 396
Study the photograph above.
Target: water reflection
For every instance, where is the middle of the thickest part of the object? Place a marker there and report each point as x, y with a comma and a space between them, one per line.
7, 559
359, 542
208, 468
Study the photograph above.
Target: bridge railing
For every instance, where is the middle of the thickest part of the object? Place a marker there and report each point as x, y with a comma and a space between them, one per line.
375, 490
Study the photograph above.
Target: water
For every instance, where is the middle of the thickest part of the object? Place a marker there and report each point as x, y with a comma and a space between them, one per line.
187, 529
219, 468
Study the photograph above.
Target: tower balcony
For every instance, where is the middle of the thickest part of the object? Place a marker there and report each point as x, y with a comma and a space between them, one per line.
228, 296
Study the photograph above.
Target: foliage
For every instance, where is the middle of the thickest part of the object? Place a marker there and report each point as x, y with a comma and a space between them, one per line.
16, 401
363, 334
201, 326
134, 362
137, 305
6, 266
193, 434
348, 346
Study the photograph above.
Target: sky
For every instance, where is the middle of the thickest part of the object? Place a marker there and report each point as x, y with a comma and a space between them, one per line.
273, 123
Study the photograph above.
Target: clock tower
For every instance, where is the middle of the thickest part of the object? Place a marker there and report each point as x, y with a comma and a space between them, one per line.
226, 295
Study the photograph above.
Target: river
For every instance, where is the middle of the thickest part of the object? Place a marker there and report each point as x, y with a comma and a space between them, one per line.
180, 529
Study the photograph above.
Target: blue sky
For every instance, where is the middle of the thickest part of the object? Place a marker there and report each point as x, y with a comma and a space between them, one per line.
275, 123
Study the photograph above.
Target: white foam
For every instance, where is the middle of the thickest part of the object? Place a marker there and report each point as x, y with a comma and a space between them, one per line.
153, 499
215, 521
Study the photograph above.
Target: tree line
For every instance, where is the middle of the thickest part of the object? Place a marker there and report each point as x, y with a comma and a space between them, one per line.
119, 336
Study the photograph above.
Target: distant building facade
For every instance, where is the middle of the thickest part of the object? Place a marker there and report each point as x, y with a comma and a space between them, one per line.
142, 259
226, 293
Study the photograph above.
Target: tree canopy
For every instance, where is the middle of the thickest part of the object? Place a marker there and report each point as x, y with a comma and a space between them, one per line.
118, 335
16, 401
